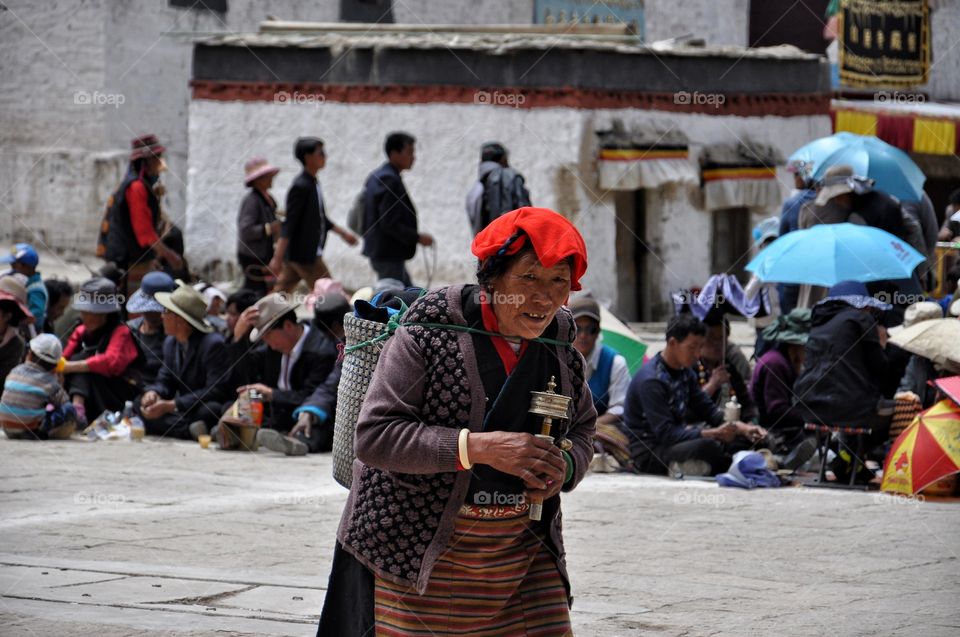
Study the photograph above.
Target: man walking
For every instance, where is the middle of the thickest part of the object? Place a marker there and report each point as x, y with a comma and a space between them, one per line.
392, 236
303, 235
498, 188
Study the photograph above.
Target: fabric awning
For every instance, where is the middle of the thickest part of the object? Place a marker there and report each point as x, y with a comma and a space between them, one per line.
735, 187
635, 168
913, 127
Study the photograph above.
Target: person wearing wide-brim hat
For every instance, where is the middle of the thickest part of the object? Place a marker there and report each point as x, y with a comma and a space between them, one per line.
100, 373
130, 236
841, 380
147, 328
916, 381
257, 224
13, 312
772, 384
293, 359
188, 394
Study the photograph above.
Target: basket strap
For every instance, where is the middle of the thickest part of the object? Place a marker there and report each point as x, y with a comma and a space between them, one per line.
393, 323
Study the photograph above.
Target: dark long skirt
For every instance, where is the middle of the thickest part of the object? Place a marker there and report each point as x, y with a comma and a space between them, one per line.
348, 606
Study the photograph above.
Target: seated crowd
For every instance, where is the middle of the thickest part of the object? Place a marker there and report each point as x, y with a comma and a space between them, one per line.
182, 355
164, 352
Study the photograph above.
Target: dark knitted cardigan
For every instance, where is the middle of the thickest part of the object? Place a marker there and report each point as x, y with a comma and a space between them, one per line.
406, 490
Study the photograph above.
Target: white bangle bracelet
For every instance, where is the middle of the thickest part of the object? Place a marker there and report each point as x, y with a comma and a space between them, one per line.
462, 444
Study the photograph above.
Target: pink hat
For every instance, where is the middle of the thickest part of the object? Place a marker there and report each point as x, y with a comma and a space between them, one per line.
255, 168
324, 289
146, 146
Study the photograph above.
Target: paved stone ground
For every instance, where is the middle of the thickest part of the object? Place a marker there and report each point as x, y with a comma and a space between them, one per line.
164, 538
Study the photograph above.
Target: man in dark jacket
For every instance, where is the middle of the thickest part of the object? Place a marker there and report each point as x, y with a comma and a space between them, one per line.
191, 386
498, 188
303, 235
390, 219
286, 369
840, 383
659, 398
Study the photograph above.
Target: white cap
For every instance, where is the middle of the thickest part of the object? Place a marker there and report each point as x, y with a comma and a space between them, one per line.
47, 348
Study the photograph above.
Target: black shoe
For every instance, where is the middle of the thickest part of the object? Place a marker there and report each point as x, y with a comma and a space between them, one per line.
800, 454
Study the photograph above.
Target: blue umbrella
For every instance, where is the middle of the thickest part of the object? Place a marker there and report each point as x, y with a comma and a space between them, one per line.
816, 151
832, 252
891, 168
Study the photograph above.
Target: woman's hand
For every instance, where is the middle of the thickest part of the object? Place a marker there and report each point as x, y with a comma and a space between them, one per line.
553, 488
534, 460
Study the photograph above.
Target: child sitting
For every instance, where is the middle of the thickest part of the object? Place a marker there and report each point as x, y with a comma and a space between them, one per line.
34, 404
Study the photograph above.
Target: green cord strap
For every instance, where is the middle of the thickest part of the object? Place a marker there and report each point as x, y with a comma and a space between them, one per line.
394, 322
569, 459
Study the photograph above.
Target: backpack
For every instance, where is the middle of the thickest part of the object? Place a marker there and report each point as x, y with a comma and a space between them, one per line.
503, 191
356, 220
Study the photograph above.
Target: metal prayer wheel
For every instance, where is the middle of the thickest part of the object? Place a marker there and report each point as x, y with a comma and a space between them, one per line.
550, 406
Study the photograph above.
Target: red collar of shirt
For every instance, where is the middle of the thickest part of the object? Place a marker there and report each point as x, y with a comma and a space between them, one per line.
507, 355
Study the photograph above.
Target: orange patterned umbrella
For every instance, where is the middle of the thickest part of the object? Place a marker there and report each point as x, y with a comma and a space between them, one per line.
927, 450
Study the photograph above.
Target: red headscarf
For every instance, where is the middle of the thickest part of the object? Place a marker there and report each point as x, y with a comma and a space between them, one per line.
552, 236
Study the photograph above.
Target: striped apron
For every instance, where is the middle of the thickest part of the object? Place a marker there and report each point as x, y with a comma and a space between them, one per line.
497, 577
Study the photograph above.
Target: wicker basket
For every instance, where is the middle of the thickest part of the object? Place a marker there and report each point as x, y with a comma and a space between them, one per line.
358, 367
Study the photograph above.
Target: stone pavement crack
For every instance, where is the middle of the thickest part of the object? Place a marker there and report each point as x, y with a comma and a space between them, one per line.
180, 611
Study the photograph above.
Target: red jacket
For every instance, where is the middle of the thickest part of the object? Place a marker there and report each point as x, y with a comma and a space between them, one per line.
121, 351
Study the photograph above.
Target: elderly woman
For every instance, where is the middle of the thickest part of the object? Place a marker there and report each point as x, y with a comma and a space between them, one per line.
447, 459
257, 224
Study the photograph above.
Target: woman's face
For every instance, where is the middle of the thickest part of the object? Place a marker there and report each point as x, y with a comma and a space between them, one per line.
92, 321
527, 296
263, 183
5, 318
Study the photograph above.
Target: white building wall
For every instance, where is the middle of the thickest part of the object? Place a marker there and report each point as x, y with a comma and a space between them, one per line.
78, 80
552, 147
944, 84
60, 158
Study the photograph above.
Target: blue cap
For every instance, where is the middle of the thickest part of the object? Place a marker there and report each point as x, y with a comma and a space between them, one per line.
143, 299
22, 253
855, 294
